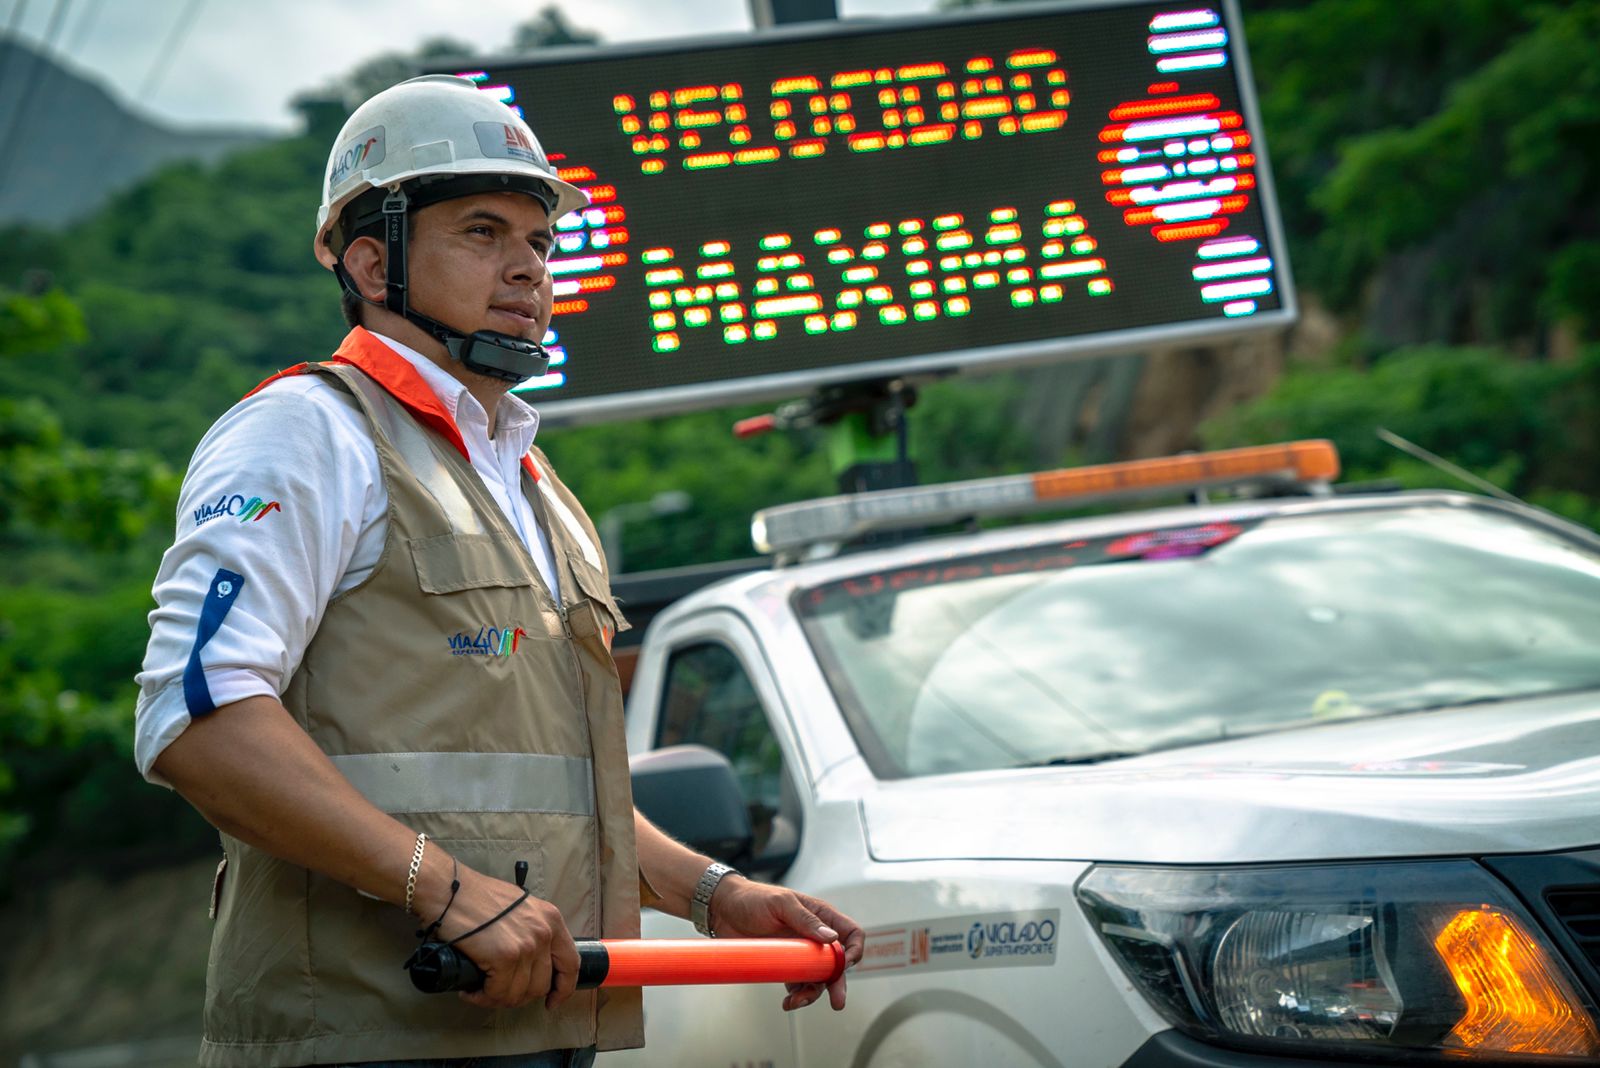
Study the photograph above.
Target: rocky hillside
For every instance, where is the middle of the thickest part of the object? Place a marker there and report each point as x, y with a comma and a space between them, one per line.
107, 971
68, 143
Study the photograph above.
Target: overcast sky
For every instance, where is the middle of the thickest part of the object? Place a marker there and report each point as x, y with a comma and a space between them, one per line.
240, 61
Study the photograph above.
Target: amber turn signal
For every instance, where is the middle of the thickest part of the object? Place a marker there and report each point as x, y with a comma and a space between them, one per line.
1517, 1000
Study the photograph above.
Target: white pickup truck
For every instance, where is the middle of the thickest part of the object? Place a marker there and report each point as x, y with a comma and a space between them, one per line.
1280, 781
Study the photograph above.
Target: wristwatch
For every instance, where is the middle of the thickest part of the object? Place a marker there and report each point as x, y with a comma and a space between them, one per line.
700, 903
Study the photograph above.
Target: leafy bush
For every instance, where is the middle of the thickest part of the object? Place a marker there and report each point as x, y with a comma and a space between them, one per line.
1531, 427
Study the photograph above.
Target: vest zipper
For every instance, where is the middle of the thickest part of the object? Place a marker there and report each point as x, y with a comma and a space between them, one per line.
563, 610
561, 559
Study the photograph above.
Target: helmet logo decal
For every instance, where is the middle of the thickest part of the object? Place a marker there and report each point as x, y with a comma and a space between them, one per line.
509, 140
364, 151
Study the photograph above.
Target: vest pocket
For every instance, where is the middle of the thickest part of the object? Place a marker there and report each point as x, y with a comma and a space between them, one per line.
595, 587
449, 563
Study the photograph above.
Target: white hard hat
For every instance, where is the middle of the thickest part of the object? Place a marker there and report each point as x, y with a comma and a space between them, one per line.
426, 129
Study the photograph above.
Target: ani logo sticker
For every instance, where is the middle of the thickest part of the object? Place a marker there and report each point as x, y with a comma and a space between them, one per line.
489, 641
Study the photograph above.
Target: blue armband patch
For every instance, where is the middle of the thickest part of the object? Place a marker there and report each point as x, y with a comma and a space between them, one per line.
225, 587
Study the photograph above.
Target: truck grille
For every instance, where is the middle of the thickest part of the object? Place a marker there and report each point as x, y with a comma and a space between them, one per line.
1578, 908
1563, 890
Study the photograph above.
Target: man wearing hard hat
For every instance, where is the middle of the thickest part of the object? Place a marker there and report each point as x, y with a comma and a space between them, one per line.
380, 657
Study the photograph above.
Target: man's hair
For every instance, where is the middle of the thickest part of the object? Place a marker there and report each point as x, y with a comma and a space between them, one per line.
350, 305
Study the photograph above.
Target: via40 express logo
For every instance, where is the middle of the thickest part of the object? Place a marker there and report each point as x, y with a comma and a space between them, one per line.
365, 151
252, 509
489, 641
1007, 938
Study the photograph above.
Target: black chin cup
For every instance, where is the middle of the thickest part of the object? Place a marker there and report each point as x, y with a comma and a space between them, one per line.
497, 355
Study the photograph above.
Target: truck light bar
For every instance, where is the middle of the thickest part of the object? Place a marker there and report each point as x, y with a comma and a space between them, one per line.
789, 527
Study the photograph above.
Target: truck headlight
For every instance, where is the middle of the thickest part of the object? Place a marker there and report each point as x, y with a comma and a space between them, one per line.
1397, 956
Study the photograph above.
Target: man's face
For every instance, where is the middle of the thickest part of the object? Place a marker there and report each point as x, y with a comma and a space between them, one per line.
479, 263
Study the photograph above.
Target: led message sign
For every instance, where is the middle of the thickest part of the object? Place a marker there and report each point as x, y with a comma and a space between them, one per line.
777, 211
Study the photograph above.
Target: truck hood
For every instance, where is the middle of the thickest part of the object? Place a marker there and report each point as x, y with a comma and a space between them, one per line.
1509, 777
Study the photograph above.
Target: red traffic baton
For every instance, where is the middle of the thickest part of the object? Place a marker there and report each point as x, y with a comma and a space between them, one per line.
700, 961
437, 967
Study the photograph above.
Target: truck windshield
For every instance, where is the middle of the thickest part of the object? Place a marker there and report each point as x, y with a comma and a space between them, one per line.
1079, 651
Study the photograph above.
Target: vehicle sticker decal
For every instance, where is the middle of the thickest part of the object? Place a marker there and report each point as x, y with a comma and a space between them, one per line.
1179, 541
984, 940
1167, 543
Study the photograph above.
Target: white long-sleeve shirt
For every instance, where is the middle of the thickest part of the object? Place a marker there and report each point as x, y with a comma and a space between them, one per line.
286, 490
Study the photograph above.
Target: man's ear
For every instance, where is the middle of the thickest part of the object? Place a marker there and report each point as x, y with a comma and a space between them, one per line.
366, 261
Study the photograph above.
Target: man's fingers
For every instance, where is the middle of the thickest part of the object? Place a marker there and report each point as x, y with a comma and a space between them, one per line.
539, 981
525, 986
564, 959
855, 939
488, 995
503, 987
808, 923
855, 944
801, 995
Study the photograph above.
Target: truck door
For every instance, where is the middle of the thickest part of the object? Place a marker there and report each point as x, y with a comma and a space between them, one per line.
711, 693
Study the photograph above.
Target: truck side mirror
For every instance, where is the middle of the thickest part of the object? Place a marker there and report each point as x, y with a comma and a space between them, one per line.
690, 792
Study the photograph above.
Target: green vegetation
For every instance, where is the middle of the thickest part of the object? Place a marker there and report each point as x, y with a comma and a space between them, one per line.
1527, 426
1439, 170
1438, 173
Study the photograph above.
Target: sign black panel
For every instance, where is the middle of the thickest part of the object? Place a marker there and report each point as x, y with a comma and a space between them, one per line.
776, 211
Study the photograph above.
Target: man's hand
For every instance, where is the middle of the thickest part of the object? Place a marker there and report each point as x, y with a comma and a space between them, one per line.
741, 908
525, 956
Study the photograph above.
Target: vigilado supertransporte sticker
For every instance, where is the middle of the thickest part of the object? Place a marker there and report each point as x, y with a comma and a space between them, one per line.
985, 940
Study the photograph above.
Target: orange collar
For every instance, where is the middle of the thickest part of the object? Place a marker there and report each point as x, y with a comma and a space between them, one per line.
395, 374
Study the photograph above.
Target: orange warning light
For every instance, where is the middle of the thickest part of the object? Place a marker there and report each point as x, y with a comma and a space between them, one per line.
1516, 1001
1305, 460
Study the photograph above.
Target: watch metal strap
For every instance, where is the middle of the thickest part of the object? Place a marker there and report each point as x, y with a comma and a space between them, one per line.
700, 903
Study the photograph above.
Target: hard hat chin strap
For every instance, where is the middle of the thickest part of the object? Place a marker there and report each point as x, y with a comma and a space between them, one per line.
487, 352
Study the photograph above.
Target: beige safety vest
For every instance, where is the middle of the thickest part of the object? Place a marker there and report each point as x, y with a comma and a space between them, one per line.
457, 696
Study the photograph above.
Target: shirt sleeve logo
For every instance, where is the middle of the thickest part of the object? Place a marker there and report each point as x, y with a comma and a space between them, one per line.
245, 509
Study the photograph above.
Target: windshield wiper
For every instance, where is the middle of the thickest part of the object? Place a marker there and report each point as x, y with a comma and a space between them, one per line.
1082, 758
1487, 699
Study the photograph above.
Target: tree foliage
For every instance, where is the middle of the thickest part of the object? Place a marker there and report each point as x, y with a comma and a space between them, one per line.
549, 29
79, 527
1482, 208
1528, 426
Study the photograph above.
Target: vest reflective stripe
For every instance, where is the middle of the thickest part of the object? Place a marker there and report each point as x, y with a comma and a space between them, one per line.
472, 782
413, 445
